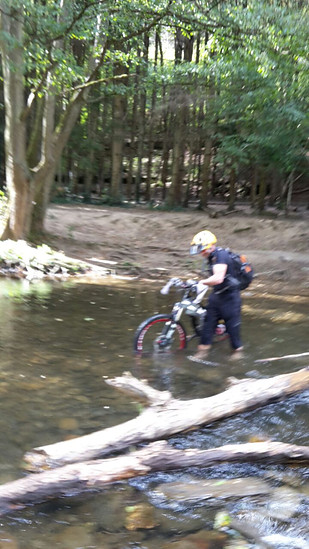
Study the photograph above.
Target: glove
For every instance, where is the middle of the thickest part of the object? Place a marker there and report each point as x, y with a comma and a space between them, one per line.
172, 282
165, 290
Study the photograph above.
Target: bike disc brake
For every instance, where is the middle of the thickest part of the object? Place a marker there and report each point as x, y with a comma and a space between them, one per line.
161, 344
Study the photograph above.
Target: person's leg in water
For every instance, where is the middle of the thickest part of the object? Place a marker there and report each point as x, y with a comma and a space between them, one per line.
208, 329
231, 312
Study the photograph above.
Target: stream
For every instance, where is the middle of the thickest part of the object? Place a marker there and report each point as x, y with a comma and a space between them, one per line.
60, 341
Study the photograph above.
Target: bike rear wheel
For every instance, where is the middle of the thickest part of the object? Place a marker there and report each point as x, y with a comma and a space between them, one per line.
159, 334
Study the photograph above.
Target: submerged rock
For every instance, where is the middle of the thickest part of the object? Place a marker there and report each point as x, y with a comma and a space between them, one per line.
291, 478
203, 539
285, 542
284, 503
215, 488
8, 542
74, 536
140, 516
68, 424
256, 524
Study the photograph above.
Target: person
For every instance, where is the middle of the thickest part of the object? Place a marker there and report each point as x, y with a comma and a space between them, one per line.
224, 301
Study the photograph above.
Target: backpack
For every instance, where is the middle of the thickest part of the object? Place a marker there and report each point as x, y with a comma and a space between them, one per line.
243, 270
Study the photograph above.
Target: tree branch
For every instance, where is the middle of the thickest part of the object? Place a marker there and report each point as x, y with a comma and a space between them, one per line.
166, 416
158, 456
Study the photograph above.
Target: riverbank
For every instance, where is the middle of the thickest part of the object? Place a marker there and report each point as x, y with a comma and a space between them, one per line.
152, 244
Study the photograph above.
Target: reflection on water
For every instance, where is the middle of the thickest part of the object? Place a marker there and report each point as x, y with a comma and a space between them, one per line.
58, 344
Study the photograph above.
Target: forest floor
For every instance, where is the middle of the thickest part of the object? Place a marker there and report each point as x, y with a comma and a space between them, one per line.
153, 244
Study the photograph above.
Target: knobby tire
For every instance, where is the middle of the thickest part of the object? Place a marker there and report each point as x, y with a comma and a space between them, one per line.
152, 328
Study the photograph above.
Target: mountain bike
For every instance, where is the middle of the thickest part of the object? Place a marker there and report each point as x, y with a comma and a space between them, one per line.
166, 332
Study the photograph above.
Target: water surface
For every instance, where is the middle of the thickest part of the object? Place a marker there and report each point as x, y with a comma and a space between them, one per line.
59, 342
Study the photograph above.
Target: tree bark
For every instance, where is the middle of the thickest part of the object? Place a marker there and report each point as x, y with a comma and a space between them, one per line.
174, 197
209, 119
166, 416
151, 129
23, 184
178, 105
158, 456
56, 138
18, 178
92, 126
141, 122
232, 195
119, 114
262, 190
132, 146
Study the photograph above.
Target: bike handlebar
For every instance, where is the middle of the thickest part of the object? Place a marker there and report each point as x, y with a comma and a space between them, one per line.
178, 283
172, 282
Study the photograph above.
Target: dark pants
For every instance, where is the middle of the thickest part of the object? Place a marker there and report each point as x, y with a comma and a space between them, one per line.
226, 306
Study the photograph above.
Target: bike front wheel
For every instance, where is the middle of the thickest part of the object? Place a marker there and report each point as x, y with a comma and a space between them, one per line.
159, 334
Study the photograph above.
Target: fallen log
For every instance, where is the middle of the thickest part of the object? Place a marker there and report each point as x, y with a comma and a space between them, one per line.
272, 358
95, 475
165, 416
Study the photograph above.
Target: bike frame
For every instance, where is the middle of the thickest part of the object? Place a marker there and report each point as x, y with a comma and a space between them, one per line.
190, 304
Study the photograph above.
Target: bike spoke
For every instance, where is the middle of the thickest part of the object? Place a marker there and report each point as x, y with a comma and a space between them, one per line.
159, 336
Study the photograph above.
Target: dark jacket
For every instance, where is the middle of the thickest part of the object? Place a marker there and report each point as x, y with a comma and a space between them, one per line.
221, 256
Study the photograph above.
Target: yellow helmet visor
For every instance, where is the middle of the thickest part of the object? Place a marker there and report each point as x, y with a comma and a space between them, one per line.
196, 249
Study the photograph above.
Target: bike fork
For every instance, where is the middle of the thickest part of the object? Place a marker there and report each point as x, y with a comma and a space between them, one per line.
171, 327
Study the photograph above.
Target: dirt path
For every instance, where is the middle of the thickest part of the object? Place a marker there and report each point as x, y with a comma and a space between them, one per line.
155, 244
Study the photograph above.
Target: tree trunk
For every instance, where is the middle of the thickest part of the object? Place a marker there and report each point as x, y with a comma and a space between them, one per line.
166, 144
232, 193
141, 123
158, 456
46, 166
186, 199
103, 168
18, 178
34, 145
262, 190
132, 148
253, 190
174, 197
289, 192
206, 173
21, 182
166, 416
44, 177
92, 123
274, 188
151, 127
208, 109
183, 51
119, 113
